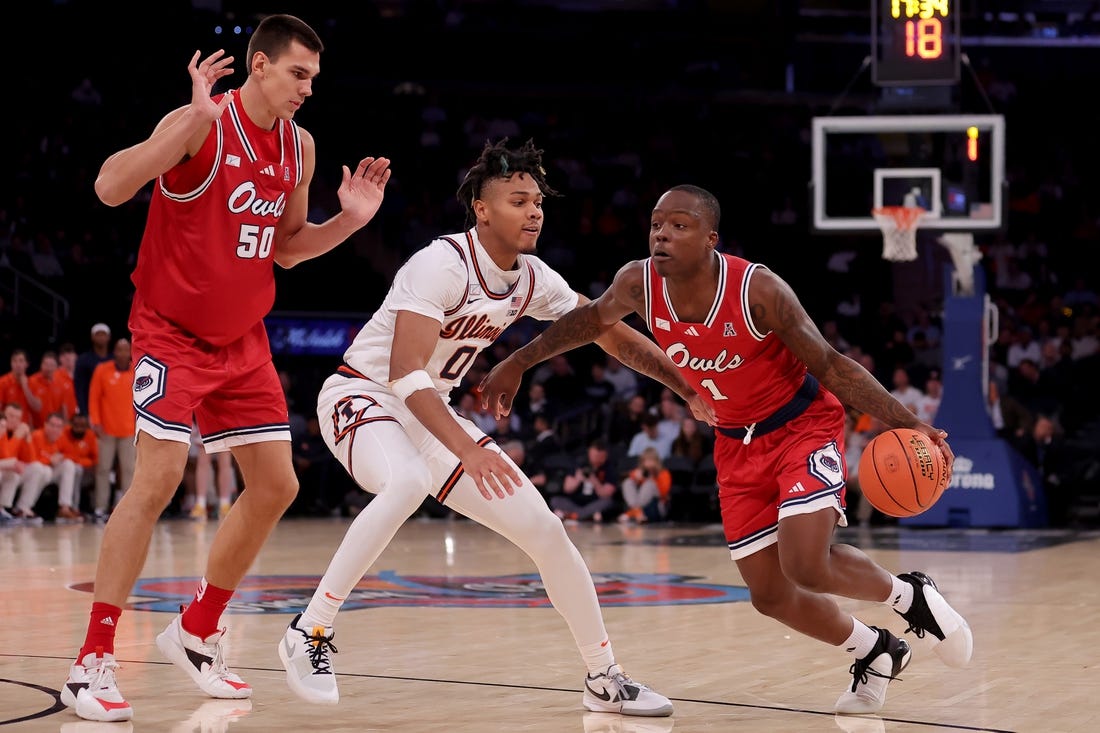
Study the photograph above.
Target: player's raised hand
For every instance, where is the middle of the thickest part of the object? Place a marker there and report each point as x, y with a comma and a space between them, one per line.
361, 192
204, 75
492, 474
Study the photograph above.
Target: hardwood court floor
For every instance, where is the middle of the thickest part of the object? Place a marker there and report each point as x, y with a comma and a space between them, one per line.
450, 631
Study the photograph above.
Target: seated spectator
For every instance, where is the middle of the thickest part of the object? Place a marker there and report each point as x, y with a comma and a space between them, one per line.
591, 491
624, 380
54, 390
50, 465
691, 442
82, 448
1044, 447
646, 489
904, 391
929, 403
626, 420
15, 454
649, 437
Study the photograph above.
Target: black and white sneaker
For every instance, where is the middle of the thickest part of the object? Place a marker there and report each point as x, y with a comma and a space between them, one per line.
614, 692
871, 674
931, 614
203, 660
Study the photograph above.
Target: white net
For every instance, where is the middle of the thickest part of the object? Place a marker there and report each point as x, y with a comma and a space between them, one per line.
899, 231
964, 255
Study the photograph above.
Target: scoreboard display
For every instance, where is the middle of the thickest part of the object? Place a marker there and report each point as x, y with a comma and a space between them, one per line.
915, 42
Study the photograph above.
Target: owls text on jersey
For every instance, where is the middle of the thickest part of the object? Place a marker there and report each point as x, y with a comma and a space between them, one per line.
454, 281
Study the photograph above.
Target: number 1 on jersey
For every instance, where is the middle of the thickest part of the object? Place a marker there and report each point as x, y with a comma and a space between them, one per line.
715, 393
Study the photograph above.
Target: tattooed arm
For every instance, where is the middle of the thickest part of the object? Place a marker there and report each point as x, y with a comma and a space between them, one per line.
600, 321
775, 307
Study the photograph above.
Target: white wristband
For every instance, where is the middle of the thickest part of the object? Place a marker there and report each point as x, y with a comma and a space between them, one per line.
411, 382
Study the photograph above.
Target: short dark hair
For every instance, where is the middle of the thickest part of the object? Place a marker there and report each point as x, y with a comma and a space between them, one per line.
707, 199
275, 33
497, 160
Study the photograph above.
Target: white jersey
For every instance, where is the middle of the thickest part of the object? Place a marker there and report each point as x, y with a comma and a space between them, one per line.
454, 281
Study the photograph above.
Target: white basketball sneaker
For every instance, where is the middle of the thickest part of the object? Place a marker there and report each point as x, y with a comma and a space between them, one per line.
91, 689
306, 658
932, 614
614, 692
871, 674
202, 660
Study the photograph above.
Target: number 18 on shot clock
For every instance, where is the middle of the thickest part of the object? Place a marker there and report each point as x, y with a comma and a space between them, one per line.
915, 42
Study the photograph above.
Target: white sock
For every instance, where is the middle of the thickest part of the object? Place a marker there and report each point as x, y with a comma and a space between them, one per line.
862, 640
598, 657
321, 611
901, 595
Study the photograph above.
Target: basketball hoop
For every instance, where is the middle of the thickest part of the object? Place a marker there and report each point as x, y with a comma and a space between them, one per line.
964, 255
899, 231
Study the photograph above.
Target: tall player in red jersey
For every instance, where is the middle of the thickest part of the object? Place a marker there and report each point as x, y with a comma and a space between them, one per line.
231, 193
740, 335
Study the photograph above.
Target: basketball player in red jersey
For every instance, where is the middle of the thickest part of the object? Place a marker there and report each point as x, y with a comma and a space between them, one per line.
231, 179
740, 335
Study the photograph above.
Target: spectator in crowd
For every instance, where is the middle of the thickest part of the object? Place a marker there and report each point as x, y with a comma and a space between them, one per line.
88, 361
646, 489
15, 454
591, 491
626, 421
650, 437
15, 387
691, 442
111, 412
929, 403
51, 465
904, 391
82, 448
1023, 346
54, 390
214, 473
1045, 448
625, 380
320, 492
66, 362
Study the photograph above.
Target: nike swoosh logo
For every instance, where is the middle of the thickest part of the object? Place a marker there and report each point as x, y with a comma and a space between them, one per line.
198, 659
332, 597
76, 687
472, 300
605, 695
288, 647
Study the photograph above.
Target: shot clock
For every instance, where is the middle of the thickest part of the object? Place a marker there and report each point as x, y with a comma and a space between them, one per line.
914, 42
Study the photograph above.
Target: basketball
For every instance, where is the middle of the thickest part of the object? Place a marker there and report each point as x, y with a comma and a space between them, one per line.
902, 472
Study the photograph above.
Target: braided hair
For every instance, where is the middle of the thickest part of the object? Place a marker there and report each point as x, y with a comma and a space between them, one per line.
496, 161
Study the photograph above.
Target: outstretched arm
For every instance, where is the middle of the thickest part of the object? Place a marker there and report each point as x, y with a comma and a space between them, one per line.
775, 307
600, 321
177, 136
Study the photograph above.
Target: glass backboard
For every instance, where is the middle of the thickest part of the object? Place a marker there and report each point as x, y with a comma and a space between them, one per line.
951, 165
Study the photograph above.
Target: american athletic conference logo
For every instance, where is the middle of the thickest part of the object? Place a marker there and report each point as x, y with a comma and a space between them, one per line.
291, 593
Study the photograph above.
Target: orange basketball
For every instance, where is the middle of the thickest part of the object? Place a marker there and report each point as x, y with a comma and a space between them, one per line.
902, 472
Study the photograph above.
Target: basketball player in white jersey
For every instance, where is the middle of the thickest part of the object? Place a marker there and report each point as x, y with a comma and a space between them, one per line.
387, 420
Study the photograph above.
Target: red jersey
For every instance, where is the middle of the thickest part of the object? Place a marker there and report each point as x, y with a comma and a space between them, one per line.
205, 262
746, 375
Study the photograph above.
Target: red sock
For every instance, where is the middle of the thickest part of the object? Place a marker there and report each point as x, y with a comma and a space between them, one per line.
101, 629
202, 616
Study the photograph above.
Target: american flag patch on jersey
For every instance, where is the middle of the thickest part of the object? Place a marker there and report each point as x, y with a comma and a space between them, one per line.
517, 301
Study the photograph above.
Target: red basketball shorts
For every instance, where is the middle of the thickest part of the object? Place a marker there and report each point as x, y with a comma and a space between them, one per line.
232, 391
798, 468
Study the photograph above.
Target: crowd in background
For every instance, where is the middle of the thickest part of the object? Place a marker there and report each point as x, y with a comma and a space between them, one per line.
602, 443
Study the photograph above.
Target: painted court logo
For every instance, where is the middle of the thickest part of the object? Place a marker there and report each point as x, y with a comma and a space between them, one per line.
291, 593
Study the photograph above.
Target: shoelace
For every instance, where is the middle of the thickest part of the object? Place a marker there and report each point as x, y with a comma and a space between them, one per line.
218, 665
101, 675
319, 646
861, 669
